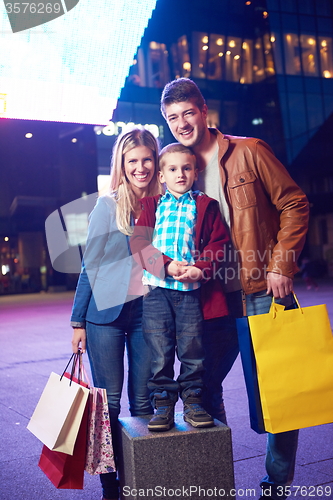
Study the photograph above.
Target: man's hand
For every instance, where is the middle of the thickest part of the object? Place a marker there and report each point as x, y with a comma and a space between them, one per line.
279, 285
190, 274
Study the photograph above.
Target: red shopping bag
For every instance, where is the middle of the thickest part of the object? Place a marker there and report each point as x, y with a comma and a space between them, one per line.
67, 471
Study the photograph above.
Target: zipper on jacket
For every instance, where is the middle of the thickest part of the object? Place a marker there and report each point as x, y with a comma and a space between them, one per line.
244, 302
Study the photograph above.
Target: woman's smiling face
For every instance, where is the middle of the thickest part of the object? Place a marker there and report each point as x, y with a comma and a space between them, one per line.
139, 165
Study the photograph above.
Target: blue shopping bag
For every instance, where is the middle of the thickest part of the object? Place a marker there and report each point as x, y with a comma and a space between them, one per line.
250, 375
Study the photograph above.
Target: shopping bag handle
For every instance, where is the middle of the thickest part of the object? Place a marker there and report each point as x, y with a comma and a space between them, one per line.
296, 300
78, 366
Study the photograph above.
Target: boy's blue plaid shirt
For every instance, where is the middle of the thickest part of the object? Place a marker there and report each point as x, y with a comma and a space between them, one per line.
174, 236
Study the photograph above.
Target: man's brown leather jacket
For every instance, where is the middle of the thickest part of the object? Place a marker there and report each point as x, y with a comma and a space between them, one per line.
268, 211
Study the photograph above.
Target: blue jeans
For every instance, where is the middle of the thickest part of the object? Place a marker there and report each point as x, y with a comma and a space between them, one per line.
172, 322
221, 350
105, 347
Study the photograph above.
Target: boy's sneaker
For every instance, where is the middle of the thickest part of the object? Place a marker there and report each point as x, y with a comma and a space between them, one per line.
194, 413
164, 417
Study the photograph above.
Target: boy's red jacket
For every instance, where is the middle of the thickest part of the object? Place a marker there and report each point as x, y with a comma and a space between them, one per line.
211, 238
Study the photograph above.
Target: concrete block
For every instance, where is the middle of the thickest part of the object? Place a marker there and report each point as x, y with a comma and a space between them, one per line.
181, 463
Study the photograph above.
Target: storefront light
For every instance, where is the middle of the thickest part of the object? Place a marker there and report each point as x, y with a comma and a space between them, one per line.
115, 128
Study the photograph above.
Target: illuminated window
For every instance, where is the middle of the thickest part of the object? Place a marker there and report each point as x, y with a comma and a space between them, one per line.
268, 55
199, 66
275, 40
215, 58
309, 55
326, 56
247, 62
181, 58
233, 59
291, 52
258, 60
158, 67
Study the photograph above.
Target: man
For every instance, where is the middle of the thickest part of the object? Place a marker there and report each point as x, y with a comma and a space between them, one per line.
267, 215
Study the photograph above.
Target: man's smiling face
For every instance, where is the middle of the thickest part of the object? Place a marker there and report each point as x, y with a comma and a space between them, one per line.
187, 123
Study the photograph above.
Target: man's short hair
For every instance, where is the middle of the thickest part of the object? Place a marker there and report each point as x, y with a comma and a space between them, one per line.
180, 90
175, 147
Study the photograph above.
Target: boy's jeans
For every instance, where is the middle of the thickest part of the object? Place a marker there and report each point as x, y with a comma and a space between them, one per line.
172, 322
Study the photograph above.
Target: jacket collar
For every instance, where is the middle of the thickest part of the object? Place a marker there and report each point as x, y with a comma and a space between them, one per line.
222, 142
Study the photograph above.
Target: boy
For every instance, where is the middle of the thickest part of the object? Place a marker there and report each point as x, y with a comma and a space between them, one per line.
180, 240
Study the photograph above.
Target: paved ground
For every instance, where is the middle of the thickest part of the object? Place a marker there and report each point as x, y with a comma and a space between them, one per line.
35, 340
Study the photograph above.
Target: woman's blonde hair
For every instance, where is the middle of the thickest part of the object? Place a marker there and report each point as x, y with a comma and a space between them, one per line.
120, 187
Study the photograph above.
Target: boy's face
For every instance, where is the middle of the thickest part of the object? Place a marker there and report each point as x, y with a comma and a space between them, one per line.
179, 173
187, 123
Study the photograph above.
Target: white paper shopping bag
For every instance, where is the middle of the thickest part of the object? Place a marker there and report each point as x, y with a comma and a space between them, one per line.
58, 414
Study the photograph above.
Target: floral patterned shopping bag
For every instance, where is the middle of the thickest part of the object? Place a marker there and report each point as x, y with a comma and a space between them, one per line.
100, 457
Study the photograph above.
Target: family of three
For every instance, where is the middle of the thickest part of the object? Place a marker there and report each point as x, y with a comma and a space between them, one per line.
153, 279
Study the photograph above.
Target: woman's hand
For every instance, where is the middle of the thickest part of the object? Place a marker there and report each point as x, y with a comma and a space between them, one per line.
79, 337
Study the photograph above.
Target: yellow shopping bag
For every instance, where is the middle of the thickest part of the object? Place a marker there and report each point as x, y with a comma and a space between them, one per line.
294, 358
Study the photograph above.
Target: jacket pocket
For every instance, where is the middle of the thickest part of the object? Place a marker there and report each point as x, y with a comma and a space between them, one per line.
242, 191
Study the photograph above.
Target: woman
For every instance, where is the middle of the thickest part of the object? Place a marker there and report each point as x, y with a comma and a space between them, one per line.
107, 308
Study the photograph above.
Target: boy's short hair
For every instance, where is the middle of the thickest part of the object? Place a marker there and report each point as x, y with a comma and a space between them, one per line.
180, 90
175, 147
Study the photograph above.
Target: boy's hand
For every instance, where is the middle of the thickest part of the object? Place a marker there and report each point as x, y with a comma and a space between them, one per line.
190, 274
175, 268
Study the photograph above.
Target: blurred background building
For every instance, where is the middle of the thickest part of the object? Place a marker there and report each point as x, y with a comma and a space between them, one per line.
265, 68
